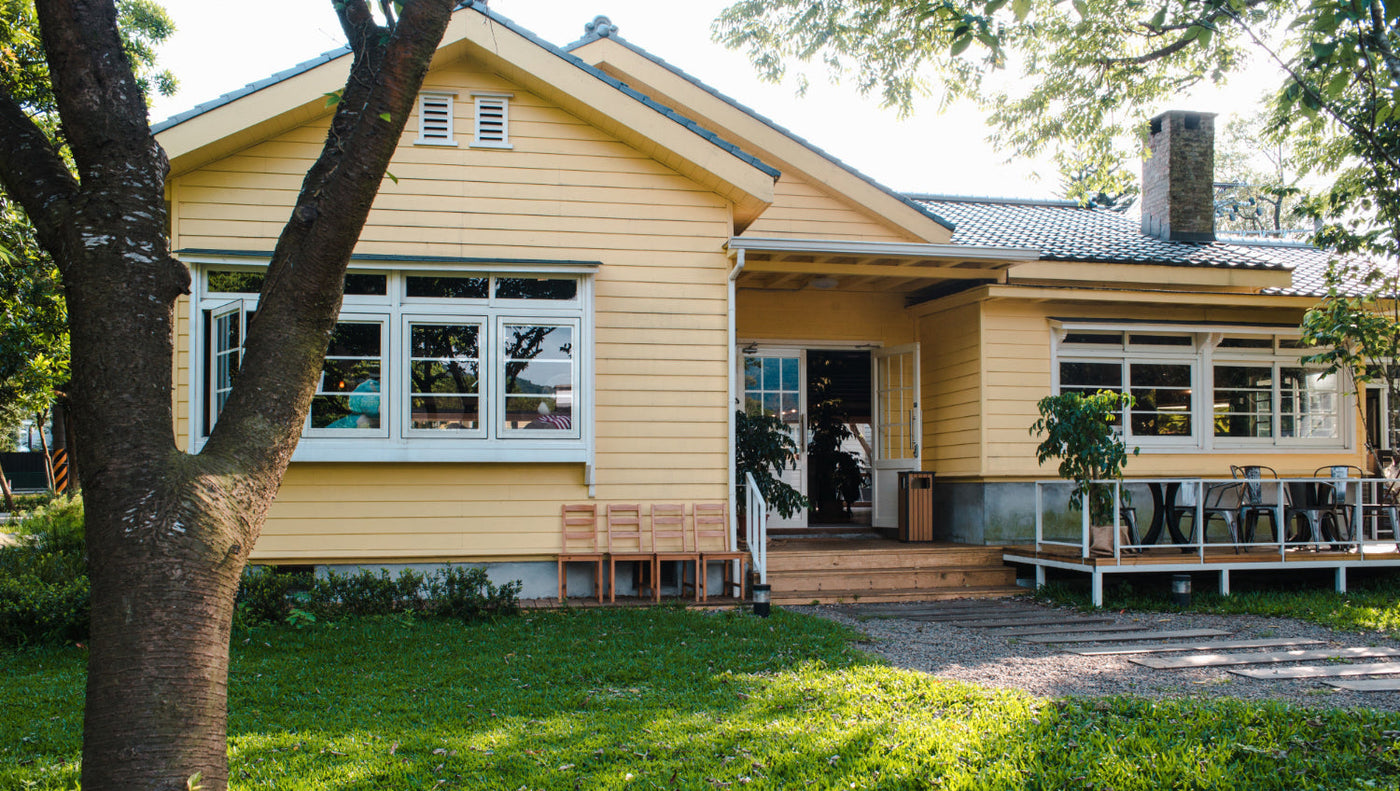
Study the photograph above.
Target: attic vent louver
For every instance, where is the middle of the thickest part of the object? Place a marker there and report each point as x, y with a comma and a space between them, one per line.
492, 120
435, 120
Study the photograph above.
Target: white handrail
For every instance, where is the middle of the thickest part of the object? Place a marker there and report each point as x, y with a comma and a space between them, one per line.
1367, 506
757, 528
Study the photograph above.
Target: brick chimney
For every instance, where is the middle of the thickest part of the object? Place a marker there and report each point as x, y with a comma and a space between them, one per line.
1178, 179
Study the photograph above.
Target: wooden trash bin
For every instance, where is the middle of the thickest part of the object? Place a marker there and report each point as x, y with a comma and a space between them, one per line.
916, 506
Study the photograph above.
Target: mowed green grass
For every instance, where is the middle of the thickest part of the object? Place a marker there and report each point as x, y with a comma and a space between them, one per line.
1371, 603
666, 698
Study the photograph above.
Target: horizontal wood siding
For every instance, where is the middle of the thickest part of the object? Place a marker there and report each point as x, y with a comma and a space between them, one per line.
801, 210
815, 315
566, 191
951, 387
1016, 338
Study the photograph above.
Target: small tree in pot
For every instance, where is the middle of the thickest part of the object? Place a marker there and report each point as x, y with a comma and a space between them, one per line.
765, 447
1077, 430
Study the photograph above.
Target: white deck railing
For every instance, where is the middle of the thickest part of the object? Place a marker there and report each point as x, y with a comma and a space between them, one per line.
756, 512
1360, 499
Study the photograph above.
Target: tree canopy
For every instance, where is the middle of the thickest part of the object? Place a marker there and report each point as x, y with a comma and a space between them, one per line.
1091, 73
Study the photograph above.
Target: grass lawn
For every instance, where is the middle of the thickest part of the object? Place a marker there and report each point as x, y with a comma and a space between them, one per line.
666, 698
1371, 603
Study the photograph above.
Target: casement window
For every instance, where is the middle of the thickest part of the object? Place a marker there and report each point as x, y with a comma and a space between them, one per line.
435, 119
1205, 389
492, 120
427, 365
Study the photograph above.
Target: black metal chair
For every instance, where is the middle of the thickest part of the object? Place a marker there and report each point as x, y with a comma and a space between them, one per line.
1257, 498
1335, 491
1219, 501
1312, 512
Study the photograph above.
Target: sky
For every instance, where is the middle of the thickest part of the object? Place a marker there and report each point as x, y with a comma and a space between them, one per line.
211, 54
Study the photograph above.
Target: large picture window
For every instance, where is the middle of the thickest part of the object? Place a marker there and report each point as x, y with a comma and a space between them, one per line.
426, 365
1259, 393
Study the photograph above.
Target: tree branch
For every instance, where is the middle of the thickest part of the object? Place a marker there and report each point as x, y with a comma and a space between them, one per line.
35, 175
287, 339
99, 104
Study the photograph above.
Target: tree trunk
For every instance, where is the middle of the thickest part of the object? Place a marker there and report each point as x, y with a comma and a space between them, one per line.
40, 419
168, 534
5, 490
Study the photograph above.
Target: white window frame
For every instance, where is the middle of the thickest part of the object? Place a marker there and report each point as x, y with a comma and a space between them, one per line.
1204, 354
236, 310
396, 441
485, 135
386, 395
497, 374
485, 403
436, 135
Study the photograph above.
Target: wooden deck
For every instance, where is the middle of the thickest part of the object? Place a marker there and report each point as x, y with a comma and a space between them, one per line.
1219, 559
832, 570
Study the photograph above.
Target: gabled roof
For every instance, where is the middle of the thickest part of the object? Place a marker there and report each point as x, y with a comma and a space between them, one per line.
1067, 231
603, 47
295, 96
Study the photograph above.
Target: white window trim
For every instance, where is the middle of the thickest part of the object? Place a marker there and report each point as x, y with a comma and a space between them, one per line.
1203, 356
577, 445
427, 137
386, 395
501, 99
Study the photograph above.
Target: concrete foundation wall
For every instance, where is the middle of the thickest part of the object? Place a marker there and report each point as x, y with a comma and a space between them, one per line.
539, 579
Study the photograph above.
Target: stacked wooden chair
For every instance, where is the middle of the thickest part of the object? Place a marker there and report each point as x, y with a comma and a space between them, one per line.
712, 540
579, 525
667, 535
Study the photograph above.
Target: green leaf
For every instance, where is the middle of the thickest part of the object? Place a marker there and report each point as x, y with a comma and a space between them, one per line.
1158, 19
1021, 8
1082, 8
961, 44
392, 177
385, 117
332, 98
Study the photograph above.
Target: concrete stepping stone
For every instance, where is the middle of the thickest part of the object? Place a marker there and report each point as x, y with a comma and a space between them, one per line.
1170, 647
981, 615
1366, 684
1054, 628
1031, 620
1260, 658
1321, 671
1104, 637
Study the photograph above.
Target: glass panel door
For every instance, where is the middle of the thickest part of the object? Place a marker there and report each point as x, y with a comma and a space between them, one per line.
773, 386
897, 426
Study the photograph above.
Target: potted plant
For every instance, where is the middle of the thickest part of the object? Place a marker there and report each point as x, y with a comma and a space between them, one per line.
765, 447
1078, 431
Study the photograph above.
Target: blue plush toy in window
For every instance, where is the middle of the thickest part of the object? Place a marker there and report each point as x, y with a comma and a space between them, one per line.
364, 407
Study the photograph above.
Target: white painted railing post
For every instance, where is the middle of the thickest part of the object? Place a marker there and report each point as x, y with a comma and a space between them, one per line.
1084, 526
1039, 515
757, 530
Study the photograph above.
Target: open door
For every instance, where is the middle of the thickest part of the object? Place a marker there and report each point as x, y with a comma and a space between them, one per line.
897, 426
773, 382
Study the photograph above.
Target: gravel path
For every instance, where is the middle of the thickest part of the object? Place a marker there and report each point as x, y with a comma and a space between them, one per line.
982, 656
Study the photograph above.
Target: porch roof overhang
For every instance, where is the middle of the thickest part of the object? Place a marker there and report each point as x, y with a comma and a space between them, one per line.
905, 266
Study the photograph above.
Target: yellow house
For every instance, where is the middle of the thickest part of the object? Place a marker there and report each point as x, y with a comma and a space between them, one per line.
587, 260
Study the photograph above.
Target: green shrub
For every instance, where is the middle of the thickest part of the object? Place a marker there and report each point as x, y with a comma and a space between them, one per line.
43, 579
467, 593
56, 526
24, 503
460, 592
365, 593
37, 610
264, 594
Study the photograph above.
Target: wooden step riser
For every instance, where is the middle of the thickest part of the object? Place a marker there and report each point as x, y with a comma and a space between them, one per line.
794, 598
875, 560
891, 579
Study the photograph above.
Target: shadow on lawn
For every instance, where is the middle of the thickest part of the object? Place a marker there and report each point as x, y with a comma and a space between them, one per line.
687, 700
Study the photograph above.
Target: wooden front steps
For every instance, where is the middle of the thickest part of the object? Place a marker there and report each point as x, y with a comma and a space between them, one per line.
804, 571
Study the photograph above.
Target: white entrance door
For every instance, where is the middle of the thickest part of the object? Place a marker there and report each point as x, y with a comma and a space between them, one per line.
773, 383
897, 426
